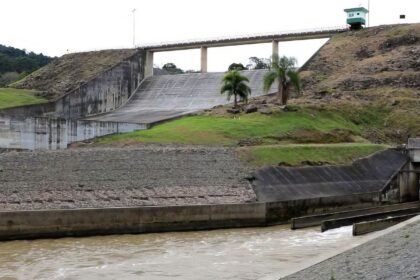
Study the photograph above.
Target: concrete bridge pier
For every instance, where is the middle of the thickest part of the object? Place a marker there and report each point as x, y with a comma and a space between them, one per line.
203, 59
409, 179
148, 66
275, 47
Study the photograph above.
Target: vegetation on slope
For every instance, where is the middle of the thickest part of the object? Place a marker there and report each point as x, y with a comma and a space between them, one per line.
290, 138
16, 63
376, 68
10, 97
307, 154
280, 127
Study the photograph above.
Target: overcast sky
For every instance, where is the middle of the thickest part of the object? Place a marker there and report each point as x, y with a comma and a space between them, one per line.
55, 27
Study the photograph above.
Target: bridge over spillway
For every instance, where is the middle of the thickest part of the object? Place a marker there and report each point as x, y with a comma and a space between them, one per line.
204, 44
168, 96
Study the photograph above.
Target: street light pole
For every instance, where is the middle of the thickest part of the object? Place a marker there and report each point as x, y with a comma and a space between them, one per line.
368, 13
134, 27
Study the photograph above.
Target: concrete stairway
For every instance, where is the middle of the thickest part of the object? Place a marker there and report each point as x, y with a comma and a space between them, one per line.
168, 96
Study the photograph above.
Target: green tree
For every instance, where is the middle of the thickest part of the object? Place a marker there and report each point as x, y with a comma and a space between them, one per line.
172, 68
256, 63
236, 66
283, 71
237, 85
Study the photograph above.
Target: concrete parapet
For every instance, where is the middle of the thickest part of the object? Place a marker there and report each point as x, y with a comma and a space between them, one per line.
86, 222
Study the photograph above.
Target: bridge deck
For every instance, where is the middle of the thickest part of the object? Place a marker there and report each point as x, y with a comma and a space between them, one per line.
246, 39
168, 96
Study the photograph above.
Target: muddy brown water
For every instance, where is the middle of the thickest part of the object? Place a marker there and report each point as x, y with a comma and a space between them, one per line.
251, 253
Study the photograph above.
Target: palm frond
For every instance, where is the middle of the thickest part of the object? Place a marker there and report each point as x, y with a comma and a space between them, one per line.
269, 79
295, 80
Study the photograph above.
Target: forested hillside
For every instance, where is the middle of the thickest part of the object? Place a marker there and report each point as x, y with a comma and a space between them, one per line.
16, 63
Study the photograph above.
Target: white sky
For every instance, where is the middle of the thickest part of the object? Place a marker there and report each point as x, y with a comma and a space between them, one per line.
55, 26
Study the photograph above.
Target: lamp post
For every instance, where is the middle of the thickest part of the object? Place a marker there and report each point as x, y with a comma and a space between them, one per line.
134, 27
368, 13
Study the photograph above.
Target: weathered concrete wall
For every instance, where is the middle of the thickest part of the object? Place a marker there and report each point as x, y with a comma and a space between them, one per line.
84, 222
51, 133
283, 211
371, 226
104, 93
29, 110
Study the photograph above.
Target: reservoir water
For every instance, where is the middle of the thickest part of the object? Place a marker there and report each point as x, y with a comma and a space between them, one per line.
250, 253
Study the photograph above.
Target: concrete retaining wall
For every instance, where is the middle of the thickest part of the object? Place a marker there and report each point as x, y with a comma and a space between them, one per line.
104, 93
371, 226
283, 211
49, 133
85, 222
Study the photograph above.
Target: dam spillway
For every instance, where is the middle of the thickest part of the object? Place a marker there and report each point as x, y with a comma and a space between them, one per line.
168, 96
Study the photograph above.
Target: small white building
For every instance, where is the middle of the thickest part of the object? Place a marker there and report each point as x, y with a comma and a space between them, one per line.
356, 17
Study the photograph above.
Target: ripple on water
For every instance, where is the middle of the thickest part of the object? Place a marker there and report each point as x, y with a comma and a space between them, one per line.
253, 253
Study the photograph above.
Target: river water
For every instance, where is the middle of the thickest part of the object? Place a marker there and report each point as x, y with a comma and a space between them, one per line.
251, 253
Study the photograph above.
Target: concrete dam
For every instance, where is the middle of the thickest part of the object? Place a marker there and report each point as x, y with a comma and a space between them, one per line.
127, 92
156, 99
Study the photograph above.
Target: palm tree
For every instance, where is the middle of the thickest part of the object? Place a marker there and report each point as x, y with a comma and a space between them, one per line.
283, 71
235, 84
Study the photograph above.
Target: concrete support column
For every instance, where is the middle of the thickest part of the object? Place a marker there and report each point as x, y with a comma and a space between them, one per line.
148, 67
409, 183
203, 59
403, 183
275, 48
413, 182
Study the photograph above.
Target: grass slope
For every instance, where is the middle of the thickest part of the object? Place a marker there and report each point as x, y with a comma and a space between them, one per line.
210, 130
294, 155
10, 97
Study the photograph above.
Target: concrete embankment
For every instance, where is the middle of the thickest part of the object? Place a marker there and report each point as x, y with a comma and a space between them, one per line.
370, 174
390, 256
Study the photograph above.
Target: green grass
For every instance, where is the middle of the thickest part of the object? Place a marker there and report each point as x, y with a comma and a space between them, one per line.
211, 130
10, 97
293, 154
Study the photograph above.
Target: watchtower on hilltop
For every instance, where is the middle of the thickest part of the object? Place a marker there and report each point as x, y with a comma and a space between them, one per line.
356, 17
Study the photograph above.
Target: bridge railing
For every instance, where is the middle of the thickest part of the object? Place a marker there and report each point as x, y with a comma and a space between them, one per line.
246, 36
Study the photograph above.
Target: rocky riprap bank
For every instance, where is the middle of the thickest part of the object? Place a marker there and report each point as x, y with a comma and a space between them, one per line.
149, 176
